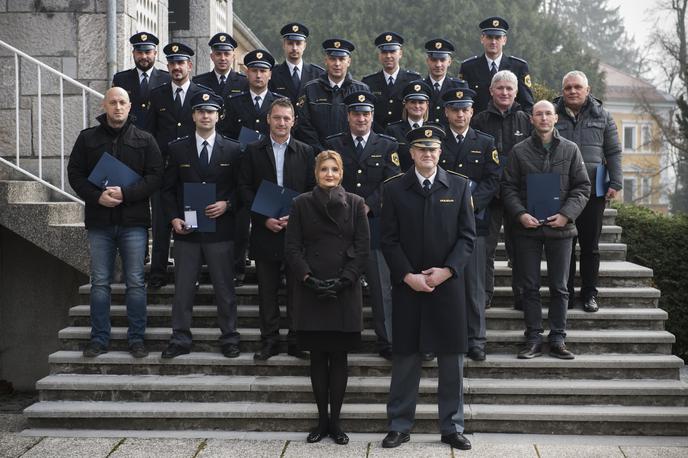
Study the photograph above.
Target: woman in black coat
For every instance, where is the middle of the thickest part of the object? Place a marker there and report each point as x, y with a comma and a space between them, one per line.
327, 246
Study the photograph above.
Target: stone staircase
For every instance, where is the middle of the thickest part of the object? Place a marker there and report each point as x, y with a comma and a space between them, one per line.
624, 379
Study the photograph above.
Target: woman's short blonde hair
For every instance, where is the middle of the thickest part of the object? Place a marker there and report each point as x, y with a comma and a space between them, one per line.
329, 154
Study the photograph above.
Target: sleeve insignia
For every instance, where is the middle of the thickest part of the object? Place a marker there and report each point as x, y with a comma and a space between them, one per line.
495, 156
395, 158
526, 81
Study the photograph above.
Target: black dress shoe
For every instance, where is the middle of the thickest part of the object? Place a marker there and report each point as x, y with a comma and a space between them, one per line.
239, 279
476, 354
429, 356
94, 349
316, 435
230, 350
266, 352
590, 305
156, 283
296, 352
339, 437
518, 305
395, 439
386, 353
530, 351
457, 440
364, 283
138, 350
560, 351
174, 350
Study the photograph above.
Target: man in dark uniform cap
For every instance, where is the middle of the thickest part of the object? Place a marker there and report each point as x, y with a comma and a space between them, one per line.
320, 108
387, 84
428, 232
291, 75
138, 81
414, 114
439, 60
169, 117
472, 154
369, 159
202, 157
223, 80
479, 70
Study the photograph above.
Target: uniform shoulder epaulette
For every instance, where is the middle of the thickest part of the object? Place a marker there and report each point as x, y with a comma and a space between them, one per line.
397, 123
318, 67
157, 88
519, 59
240, 74
456, 173
224, 137
470, 59
179, 139
393, 177
312, 82
388, 137
233, 96
370, 75
340, 134
411, 72
204, 87
161, 70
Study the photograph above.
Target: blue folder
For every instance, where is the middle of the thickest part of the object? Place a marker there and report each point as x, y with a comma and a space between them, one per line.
247, 136
197, 196
272, 200
110, 171
543, 194
481, 214
601, 181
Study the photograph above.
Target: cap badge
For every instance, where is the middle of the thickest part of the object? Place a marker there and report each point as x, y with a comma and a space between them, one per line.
175, 48
438, 45
428, 133
361, 98
206, 97
459, 94
416, 87
294, 28
223, 38
495, 23
144, 37
337, 44
259, 55
388, 38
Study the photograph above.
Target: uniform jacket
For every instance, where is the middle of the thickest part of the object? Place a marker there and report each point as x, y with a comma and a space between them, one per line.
183, 167
388, 101
564, 158
477, 74
436, 107
508, 128
327, 237
398, 130
477, 160
420, 231
240, 111
321, 111
135, 148
163, 122
236, 82
282, 83
129, 81
258, 164
595, 133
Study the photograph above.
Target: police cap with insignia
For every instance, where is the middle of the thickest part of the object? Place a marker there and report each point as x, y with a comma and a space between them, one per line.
417, 90
428, 136
144, 41
222, 42
177, 51
459, 97
360, 101
389, 41
259, 58
338, 47
294, 31
494, 25
439, 48
206, 100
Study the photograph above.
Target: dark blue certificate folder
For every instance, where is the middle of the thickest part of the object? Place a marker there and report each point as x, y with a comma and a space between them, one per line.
543, 194
601, 181
110, 171
272, 200
247, 136
197, 196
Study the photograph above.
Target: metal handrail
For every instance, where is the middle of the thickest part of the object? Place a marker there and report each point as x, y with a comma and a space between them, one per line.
85, 91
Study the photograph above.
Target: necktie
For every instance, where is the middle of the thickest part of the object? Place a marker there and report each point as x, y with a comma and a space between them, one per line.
335, 88
359, 146
459, 139
295, 78
144, 84
390, 82
178, 100
257, 104
415, 125
223, 80
426, 185
493, 69
203, 158
437, 88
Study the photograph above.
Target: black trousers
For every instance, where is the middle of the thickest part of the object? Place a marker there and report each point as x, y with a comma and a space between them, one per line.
242, 224
269, 274
589, 225
162, 230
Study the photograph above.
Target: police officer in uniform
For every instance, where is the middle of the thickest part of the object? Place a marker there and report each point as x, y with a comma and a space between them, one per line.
222, 79
428, 231
479, 70
138, 81
416, 101
291, 75
472, 154
439, 59
169, 117
320, 108
388, 84
369, 158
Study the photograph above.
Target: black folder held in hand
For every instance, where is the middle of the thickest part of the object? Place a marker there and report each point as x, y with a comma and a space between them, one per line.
110, 171
197, 196
543, 194
272, 200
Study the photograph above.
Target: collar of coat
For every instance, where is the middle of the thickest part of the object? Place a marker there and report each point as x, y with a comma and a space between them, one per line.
537, 141
410, 179
592, 106
330, 198
491, 108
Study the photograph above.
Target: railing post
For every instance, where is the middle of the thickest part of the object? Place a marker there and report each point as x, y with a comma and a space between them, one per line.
40, 125
62, 152
16, 101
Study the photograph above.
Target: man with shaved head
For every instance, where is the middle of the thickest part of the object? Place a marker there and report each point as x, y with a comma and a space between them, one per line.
545, 151
117, 216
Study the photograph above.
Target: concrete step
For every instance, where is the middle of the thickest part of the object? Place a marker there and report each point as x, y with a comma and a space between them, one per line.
497, 318
257, 416
608, 297
497, 365
15, 191
609, 251
227, 388
498, 341
611, 233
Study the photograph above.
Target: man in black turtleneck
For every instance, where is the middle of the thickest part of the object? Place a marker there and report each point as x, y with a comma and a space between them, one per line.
117, 218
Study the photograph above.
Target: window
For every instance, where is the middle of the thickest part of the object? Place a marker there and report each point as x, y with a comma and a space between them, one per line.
646, 137
629, 190
647, 190
629, 140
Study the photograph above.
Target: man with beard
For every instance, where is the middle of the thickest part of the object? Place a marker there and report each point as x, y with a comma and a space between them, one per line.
138, 81
222, 79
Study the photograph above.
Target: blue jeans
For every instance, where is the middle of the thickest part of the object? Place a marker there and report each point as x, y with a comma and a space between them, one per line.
104, 244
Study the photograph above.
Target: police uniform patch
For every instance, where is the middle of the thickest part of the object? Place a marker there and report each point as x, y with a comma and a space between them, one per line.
301, 102
428, 133
295, 28
223, 38
438, 45
526, 81
495, 23
144, 37
459, 94
416, 87
361, 98
175, 48
259, 55
388, 38
495, 156
337, 44
395, 158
